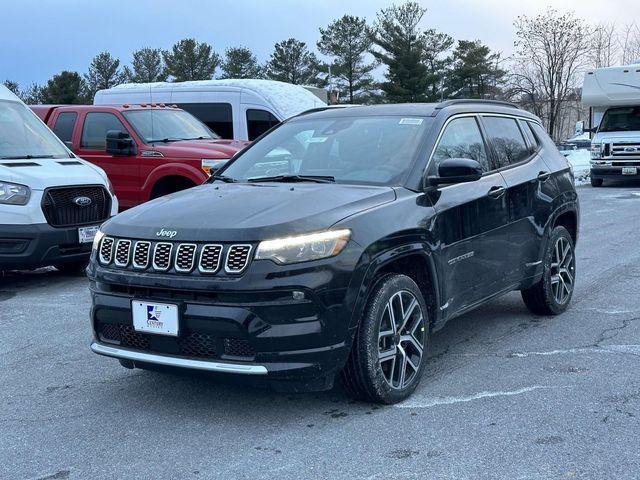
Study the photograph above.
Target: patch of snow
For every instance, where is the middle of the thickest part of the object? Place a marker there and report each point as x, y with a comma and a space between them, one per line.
580, 162
582, 136
432, 402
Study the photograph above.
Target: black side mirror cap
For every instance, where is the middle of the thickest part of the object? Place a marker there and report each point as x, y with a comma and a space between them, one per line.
456, 170
120, 143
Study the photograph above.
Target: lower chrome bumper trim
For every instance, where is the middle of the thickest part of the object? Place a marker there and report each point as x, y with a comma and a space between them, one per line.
177, 362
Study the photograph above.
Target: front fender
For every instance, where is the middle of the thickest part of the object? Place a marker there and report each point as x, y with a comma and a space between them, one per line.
196, 175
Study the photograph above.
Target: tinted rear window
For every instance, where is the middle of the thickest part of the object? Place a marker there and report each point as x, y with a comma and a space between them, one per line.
64, 125
217, 116
259, 121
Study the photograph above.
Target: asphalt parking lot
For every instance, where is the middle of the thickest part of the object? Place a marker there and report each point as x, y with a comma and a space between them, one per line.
506, 394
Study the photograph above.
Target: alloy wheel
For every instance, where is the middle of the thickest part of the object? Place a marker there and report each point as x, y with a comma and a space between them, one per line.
401, 339
562, 270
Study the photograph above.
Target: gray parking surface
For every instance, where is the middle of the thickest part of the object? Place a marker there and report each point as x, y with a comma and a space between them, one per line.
506, 394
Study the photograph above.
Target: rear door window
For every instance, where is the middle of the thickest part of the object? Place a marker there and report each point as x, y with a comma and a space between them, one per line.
259, 121
506, 139
64, 126
217, 116
96, 126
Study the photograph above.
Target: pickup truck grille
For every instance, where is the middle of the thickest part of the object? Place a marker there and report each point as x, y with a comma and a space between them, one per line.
76, 206
182, 258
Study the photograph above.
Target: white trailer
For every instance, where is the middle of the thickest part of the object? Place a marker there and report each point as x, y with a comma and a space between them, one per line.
613, 97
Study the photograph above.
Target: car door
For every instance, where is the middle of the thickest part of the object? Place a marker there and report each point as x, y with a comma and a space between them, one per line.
471, 220
123, 171
525, 174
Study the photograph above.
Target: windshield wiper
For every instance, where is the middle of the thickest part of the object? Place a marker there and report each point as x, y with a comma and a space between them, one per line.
26, 157
165, 140
295, 178
222, 178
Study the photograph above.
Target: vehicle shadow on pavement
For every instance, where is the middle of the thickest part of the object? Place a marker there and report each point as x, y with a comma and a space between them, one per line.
13, 281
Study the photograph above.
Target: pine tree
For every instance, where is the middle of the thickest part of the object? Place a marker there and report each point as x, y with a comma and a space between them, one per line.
13, 86
104, 72
190, 60
475, 72
146, 66
65, 88
401, 49
347, 40
292, 62
33, 95
239, 62
436, 45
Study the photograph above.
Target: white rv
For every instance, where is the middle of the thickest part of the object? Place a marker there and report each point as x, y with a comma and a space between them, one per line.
234, 109
613, 97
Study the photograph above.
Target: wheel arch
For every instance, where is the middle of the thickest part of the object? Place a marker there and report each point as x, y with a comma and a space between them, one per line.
169, 172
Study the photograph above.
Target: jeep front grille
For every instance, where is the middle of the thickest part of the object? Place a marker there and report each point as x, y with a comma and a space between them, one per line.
204, 259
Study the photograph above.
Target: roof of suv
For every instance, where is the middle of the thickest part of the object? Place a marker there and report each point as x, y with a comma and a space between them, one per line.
423, 109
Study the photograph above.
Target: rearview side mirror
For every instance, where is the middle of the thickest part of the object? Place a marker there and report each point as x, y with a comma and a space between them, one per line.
456, 170
120, 143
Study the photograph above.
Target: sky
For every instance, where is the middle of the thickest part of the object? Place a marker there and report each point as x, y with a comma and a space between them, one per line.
39, 38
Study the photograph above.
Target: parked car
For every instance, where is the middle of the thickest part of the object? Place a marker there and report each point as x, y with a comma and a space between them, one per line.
613, 97
51, 202
147, 150
337, 243
239, 109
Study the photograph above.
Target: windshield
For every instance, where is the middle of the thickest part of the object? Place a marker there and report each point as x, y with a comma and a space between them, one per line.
623, 119
23, 135
167, 125
367, 150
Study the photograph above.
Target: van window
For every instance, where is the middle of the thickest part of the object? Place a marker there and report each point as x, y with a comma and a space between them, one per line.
462, 139
507, 140
96, 126
65, 123
217, 116
259, 121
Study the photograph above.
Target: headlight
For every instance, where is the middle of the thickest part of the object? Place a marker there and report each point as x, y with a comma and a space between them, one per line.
14, 194
96, 241
303, 248
210, 165
596, 151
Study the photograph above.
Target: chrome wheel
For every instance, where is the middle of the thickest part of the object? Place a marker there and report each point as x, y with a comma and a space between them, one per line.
401, 339
562, 271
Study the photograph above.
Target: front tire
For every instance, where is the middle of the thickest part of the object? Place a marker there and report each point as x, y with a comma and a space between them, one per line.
552, 294
389, 352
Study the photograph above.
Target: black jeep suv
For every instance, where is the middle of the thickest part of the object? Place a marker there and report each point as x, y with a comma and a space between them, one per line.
337, 243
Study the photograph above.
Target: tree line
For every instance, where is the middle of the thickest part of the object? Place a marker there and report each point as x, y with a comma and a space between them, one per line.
417, 64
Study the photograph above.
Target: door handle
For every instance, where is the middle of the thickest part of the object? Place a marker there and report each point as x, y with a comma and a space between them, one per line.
496, 192
543, 176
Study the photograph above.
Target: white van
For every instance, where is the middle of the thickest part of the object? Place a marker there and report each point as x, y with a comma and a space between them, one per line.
51, 202
613, 97
234, 109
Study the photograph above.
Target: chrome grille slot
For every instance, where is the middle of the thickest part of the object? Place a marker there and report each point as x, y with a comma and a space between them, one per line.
185, 257
210, 258
141, 254
123, 251
162, 256
106, 251
237, 258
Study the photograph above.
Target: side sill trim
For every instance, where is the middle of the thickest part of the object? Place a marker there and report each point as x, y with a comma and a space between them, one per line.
177, 362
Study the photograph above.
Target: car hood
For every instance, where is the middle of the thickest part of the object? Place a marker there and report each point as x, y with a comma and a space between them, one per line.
39, 174
247, 212
201, 148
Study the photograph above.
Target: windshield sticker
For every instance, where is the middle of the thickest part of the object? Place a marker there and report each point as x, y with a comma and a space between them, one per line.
317, 139
411, 121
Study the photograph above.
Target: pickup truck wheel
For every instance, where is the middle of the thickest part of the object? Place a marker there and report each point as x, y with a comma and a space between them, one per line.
552, 294
388, 354
72, 268
596, 182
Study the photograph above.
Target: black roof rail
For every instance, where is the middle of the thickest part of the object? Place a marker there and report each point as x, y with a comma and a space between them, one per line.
463, 101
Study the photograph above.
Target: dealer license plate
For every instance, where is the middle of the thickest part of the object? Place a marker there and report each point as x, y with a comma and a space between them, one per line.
159, 318
87, 234
629, 170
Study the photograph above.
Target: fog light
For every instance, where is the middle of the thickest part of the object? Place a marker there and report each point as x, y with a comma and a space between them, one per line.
297, 295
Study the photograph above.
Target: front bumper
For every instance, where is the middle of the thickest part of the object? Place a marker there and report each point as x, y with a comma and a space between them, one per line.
39, 245
613, 172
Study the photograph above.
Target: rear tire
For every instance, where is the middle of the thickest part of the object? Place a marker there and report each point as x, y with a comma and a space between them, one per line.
389, 351
72, 268
596, 182
552, 294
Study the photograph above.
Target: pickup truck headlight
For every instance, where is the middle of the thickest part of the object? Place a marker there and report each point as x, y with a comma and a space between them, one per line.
303, 248
210, 165
596, 151
14, 194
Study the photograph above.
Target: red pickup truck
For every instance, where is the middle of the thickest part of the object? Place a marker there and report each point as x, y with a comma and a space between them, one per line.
147, 150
